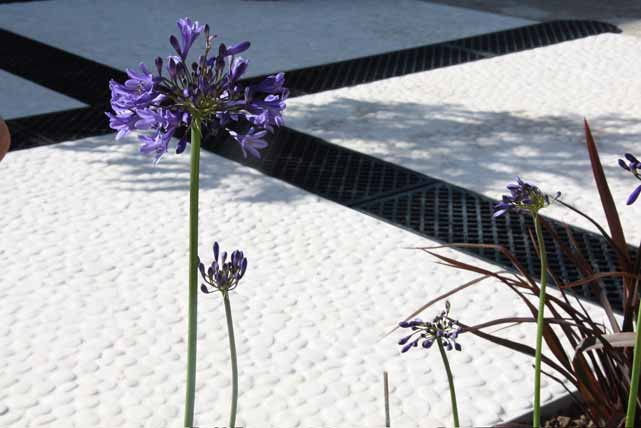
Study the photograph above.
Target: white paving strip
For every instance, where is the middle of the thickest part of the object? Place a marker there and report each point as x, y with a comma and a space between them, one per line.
20, 97
480, 124
284, 34
93, 288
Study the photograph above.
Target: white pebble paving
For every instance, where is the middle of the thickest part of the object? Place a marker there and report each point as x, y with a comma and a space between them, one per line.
111, 347
479, 124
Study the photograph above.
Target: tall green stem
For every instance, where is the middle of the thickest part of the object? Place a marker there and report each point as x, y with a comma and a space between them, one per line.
634, 377
193, 274
450, 380
234, 364
536, 418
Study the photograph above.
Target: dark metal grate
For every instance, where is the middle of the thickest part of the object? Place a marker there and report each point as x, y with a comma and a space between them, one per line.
51, 128
331, 171
58, 70
453, 215
532, 36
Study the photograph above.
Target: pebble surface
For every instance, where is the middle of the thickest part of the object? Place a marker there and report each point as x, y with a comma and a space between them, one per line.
480, 124
94, 246
92, 326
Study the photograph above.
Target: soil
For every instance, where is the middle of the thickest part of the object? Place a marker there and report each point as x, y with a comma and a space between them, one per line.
581, 421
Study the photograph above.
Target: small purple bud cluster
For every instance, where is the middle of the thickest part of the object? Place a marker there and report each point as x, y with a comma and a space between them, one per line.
223, 276
442, 327
206, 91
633, 166
524, 197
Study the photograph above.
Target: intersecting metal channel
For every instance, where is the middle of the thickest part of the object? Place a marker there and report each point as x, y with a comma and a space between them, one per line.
424, 205
398, 195
50, 128
532, 36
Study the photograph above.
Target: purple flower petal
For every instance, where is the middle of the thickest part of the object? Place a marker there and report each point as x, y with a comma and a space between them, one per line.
189, 31
634, 195
243, 267
238, 48
404, 340
238, 68
181, 145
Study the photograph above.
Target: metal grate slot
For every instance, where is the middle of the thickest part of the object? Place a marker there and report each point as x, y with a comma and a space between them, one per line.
64, 72
51, 128
328, 170
453, 215
533, 36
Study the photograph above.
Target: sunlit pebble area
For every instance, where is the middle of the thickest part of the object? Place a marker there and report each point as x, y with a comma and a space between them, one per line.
94, 244
94, 254
480, 124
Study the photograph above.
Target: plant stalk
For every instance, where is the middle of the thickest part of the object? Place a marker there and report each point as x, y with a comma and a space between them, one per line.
630, 415
536, 417
234, 363
386, 396
193, 274
450, 380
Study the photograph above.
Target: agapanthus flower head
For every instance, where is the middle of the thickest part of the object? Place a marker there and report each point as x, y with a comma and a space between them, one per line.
523, 197
208, 92
441, 327
633, 166
223, 275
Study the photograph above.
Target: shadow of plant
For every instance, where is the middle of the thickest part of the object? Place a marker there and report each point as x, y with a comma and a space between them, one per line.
139, 174
457, 144
445, 140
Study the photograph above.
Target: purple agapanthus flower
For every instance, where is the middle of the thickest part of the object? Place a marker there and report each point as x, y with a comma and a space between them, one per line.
250, 142
208, 90
223, 276
188, 31
633, 166
523, 197
442, 327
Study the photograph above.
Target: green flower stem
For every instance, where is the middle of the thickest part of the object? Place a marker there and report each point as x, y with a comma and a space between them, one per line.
193, 274
234, 363
450, 380
634, 377
536, 418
